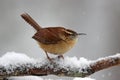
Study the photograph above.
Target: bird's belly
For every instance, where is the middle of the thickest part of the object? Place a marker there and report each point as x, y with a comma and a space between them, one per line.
59, 48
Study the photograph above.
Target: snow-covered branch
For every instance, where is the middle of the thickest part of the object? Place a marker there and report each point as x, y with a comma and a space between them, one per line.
17, 64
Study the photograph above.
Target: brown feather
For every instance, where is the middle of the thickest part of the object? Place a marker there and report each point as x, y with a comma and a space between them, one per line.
31, 21
53, 37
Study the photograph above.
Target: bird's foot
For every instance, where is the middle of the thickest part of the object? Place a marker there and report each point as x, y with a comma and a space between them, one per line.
50, 59
61, 56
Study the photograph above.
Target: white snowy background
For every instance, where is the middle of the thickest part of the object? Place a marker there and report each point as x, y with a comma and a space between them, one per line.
99, 19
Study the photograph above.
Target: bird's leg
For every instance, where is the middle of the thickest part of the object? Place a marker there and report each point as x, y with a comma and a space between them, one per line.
50, 59
61, 56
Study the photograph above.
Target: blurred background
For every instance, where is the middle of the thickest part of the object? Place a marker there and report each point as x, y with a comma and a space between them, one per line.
99, 19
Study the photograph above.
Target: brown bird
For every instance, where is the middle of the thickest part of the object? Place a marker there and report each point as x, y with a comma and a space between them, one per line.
54, 40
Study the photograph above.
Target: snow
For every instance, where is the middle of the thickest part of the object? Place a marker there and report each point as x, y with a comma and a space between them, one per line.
83, 78
15, 58
74, 63
11, 60
39, 78
113, 56
26, 78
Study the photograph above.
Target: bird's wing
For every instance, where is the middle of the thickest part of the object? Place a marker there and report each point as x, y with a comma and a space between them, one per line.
47, 36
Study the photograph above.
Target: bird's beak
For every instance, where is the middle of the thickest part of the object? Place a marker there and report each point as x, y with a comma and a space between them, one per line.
81, 34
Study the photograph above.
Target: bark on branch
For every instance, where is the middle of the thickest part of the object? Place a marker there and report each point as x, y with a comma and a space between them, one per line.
59, 67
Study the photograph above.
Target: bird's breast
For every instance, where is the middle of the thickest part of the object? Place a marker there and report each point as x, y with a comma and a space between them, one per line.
59, 48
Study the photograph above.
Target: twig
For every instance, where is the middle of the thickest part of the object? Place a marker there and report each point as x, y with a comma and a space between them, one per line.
59, 68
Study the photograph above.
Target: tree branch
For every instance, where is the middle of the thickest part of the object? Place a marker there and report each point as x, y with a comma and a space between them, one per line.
71, 67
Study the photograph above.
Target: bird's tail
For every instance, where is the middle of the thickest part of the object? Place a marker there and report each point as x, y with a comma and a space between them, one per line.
31, 21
